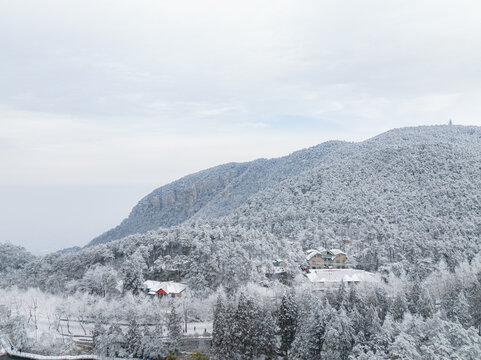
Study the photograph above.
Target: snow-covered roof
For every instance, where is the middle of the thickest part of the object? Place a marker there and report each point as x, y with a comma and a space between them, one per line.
312, 254
337, 252
321, 251
338, 275
151, 284
170, 287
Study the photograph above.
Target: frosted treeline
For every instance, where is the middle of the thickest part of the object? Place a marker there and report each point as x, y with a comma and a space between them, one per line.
434, 319
406, 204
122, 326
402, 317
202, 256
215, 192
403, 201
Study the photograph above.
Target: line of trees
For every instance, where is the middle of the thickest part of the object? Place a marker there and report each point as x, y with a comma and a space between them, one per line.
437, 318
139, 341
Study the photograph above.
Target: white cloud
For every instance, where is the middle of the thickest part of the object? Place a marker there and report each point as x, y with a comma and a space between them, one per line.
129, 91
46, 149
100, 88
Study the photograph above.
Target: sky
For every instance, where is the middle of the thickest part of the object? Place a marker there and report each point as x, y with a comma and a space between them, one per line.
103, 101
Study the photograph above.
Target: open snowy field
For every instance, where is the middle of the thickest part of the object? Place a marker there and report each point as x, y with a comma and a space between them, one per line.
54, 320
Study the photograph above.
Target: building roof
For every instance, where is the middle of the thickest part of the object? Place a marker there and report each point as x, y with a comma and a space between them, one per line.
151, 284
313, 253
168, 287
321, 251
339, 275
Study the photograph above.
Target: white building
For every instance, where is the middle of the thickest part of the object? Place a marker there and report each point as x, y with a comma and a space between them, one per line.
332, 278
164, 288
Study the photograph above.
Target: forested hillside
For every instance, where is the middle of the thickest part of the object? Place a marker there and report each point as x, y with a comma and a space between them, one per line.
216, 192
397, 199
405, 204
402, 201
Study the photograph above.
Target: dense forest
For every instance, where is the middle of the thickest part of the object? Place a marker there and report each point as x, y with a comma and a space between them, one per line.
405, 204
407, 199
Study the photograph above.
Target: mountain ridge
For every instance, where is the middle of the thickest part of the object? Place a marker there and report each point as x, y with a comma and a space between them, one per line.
213, 192
217, 192
402, 202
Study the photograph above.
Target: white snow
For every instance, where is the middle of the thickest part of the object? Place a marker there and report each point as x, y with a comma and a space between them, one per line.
329, 277
170, 287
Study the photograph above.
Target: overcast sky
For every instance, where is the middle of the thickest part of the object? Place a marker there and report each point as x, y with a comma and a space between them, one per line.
103, 101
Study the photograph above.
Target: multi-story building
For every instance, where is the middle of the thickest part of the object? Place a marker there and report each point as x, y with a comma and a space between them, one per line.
326, 259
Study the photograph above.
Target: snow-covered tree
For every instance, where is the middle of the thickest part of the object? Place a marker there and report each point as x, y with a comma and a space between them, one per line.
174, 327
287, 322
222, 331
133, 339
399, 307
339, 338
404, 347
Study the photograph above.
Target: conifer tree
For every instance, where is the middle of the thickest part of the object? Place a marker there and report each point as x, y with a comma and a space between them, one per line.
264, 328
339, 338
116, 341
321, 319
245, 339
404, 347
97, 338
426, 304
145, 342
303, 346
174, 328
372, 324
157, 344
222, 334
399, 307
384, 337
414, 296
287, 322
133, 339
461, 310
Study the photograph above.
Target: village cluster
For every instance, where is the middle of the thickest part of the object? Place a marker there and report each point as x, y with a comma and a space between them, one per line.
325, 269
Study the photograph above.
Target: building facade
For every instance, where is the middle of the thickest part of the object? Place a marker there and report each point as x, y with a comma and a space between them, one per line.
326, 259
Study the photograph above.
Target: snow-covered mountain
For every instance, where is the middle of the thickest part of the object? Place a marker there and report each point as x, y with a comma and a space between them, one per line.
404, 168
406, 204
409, 195
404, 200
217, 191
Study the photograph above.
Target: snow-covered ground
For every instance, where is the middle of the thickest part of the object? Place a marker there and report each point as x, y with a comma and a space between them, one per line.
72, 317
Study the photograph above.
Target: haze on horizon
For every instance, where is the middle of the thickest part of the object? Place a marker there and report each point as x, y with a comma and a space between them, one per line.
101, 102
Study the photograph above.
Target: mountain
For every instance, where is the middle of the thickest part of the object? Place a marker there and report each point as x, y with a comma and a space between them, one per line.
215, 192
405, 204
409, 196
401, 202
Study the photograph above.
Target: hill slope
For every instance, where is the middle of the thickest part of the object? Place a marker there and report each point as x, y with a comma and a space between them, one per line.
215, 192
406, 199
408, 195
